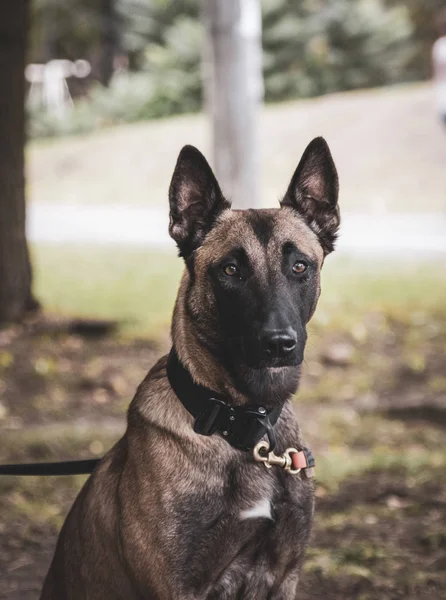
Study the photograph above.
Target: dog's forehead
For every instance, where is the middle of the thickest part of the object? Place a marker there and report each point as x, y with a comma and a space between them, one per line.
261, 233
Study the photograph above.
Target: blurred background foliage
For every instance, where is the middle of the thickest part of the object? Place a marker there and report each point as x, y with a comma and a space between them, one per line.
310, 48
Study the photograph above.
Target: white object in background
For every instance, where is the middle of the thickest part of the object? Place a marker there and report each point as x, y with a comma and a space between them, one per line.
49, 83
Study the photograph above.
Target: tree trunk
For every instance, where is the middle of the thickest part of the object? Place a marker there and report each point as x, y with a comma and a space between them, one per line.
15, 269
233, 91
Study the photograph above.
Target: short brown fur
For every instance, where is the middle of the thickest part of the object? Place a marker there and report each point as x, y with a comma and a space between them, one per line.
161, 516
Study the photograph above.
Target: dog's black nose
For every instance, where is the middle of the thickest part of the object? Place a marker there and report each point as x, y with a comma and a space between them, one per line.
278, 343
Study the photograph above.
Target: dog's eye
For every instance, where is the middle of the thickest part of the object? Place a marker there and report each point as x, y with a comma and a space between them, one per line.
230, 270
299, 268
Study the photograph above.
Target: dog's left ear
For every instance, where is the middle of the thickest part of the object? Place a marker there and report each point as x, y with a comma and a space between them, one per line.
313, 192
195, 200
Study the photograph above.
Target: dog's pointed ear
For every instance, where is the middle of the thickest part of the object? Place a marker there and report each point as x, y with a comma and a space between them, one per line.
313, 192
195, 200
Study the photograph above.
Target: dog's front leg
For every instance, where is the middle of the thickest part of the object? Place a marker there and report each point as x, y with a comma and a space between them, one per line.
288, 589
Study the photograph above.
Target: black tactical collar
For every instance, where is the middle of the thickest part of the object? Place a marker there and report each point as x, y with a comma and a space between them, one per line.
240, 426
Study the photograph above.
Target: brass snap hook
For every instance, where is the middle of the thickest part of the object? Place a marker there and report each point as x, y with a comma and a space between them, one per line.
261, 454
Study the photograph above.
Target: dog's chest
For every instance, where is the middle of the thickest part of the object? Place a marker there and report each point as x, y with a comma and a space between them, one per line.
246, 533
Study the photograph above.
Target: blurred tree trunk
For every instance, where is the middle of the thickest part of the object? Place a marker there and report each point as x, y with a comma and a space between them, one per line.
233, 90
109, 40
15, 270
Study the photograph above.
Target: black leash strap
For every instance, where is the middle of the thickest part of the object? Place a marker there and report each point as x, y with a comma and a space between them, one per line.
67, 467
241, 426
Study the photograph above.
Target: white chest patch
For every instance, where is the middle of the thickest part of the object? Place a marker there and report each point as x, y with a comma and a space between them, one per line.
260, 510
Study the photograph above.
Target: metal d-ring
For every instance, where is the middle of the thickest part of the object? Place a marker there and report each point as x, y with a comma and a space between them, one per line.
288, 467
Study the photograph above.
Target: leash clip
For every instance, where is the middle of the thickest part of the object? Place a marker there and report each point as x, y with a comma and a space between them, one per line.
263, 454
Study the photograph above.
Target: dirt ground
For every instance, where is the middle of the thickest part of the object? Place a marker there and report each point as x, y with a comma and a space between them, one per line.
379, 531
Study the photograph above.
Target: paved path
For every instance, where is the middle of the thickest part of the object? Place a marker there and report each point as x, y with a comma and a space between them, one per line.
408, 235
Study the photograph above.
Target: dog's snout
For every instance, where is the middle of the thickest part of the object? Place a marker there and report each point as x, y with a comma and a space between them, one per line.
278, 343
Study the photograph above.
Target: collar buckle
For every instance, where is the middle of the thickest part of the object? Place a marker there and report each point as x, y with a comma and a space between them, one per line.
241, 426
208, 420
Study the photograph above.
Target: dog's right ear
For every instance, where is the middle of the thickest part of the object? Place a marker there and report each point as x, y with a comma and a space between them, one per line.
195, 200
313, 192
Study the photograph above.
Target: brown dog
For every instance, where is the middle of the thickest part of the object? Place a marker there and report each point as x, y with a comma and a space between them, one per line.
180, 508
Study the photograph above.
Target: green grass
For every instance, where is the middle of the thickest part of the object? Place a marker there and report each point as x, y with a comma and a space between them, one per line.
335, 466
138, 287
402, 290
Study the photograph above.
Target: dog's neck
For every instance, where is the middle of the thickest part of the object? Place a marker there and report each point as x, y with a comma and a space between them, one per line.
199, 360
